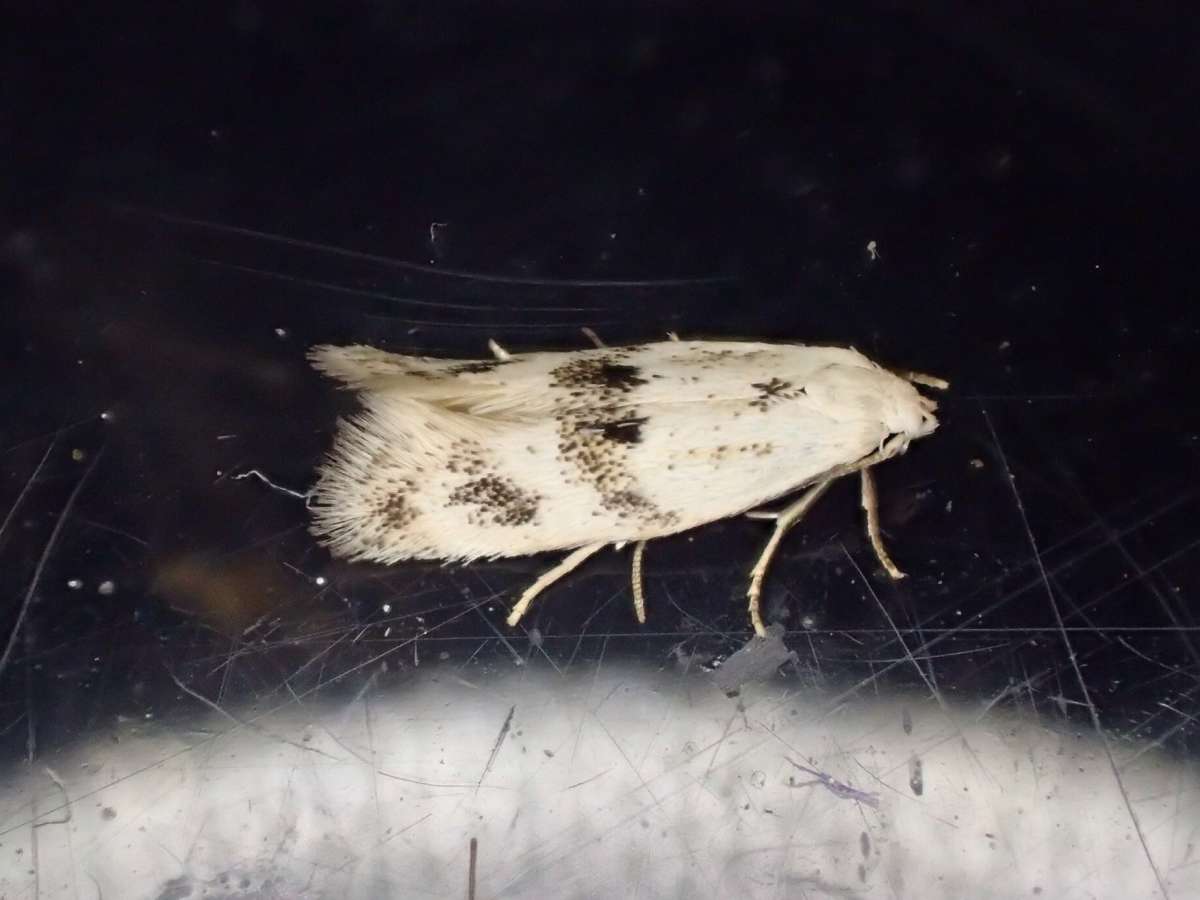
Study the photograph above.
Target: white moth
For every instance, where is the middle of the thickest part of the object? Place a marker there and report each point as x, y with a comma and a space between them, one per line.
534, 452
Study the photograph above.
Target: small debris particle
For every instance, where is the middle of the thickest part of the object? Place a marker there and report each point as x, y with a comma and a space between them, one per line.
757, 660
916, 776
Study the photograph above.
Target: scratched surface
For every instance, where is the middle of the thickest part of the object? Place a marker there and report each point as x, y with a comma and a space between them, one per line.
196, 701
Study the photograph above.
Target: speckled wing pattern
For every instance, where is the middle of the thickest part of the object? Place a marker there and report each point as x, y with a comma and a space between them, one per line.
457, 460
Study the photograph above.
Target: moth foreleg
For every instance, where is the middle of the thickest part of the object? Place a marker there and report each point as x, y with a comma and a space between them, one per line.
870, 505
569, 564
784, 521
932, 381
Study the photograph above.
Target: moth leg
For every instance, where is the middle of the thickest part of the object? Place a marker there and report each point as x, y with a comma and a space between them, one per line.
671, 335
593, 337
931, 381
639, 590
783, 523
762, 515
569, 564
497, 351
870, 504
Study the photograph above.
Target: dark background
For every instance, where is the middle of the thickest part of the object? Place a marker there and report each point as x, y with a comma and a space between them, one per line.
191, 198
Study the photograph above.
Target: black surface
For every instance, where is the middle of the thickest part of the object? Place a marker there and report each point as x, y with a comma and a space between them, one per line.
189, 203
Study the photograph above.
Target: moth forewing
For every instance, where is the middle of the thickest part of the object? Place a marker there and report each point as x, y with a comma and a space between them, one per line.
573, 451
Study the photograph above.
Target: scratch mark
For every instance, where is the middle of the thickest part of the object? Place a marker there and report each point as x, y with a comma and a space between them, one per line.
403, 264
517, 657
53, 776
407, 827
12, 510
1066, 639
496, 746
628, 761
45, 557
934, 692
572, 787
216, 707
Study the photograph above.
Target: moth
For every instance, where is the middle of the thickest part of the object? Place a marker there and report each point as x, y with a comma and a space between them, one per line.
525, 453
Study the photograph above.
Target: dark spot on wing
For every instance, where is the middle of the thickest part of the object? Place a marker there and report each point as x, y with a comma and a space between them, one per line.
598, 429
774, 391
601, 373
497, 500
396, 511
467, 457
478, 367
625, 431
620, 376
629, 503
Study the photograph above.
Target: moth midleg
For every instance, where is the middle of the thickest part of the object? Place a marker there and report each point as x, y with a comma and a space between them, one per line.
785, 519
497, 351
593, 337
870, 505
569, 564
639, 590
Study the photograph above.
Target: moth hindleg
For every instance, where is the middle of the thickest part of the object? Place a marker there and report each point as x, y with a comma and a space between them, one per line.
572, 561
783, 523
639, 590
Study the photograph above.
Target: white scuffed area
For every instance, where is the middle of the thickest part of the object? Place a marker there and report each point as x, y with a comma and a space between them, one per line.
618, 783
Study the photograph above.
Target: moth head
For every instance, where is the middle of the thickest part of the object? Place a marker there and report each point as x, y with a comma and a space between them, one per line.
911, 415
906, 410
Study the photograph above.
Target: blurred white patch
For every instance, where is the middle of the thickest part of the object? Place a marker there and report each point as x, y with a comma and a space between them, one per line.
599, 784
